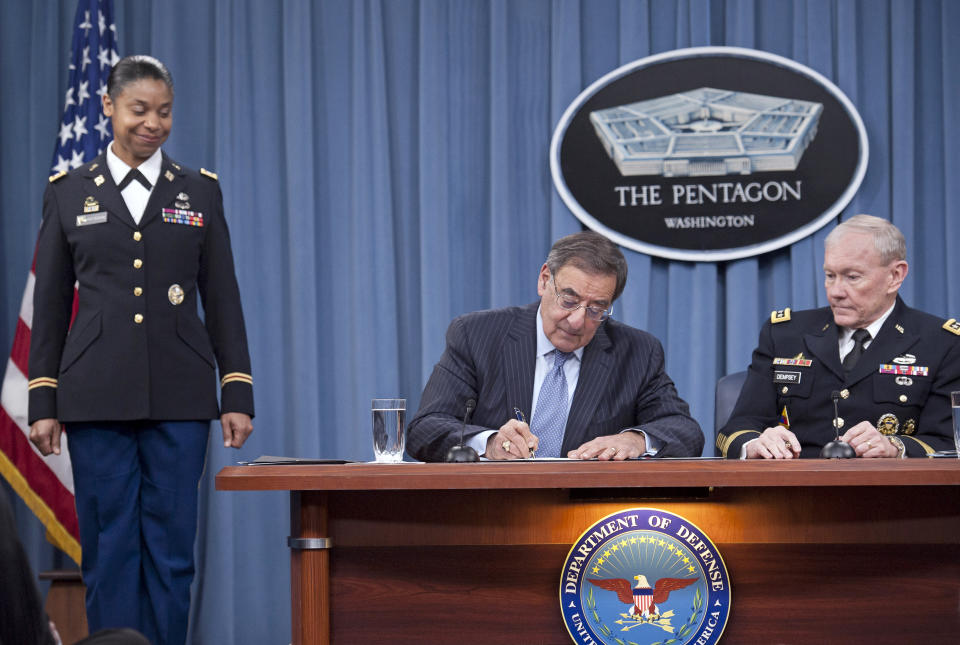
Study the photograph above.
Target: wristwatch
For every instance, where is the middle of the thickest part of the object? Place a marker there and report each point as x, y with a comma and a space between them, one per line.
898, 444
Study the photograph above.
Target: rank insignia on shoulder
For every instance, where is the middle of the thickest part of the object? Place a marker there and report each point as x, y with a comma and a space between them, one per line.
952, 325
780, 316
92, 166
177, 166
59, 175
209, 173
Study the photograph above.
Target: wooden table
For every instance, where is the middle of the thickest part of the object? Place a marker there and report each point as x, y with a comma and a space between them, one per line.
859, 551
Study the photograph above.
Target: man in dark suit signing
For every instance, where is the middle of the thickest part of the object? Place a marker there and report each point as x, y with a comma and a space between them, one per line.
591, 387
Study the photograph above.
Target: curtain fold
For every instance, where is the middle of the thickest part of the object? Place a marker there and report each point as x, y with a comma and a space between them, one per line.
384, 165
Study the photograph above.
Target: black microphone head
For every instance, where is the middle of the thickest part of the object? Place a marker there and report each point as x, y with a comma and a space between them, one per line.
837, 450
471, 405
835, 395
461, 455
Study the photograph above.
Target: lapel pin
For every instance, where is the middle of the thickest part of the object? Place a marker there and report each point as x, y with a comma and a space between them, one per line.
90, 205
98, 180
168, 175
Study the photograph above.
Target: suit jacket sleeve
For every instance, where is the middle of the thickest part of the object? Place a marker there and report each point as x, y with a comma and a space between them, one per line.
663, 415
436, 427
218, 288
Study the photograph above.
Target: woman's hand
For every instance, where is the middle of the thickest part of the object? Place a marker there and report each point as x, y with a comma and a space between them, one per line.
237, 426
45, 435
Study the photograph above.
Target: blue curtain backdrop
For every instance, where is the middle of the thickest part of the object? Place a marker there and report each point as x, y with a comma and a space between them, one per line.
384, 167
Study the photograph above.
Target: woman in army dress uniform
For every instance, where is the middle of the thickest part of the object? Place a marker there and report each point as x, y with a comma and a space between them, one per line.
133, 378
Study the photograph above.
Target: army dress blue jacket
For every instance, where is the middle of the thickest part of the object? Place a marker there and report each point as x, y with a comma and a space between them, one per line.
901, 384
138, 348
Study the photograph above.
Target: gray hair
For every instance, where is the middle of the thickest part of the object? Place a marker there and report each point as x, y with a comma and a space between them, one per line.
592, 253
887, 238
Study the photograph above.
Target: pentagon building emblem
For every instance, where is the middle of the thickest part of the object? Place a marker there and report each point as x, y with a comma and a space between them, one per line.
707, 132
644, 576
709, 153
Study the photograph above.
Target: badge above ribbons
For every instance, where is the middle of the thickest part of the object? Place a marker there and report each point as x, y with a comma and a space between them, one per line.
644, 576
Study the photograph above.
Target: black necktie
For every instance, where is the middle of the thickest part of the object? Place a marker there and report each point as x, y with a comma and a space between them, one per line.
860, 337
134, 174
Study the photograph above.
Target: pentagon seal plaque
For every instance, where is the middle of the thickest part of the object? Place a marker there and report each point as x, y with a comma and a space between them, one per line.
644, 576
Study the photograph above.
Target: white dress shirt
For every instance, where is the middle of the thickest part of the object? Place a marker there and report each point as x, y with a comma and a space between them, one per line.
135, 195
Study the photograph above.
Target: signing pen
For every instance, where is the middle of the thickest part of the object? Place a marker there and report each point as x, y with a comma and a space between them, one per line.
518, 413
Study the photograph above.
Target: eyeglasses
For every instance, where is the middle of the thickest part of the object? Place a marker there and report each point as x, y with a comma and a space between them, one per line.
572, 304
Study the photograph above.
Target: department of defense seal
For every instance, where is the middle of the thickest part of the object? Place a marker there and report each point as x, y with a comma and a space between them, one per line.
644, 576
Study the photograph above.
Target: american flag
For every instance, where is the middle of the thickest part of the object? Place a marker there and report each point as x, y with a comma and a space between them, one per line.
46, 483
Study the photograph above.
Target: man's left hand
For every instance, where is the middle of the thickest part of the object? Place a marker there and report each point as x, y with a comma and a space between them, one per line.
618, 447
237, 426
867, 441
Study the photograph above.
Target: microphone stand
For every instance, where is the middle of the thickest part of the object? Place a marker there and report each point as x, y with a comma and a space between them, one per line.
837, 449
460, 453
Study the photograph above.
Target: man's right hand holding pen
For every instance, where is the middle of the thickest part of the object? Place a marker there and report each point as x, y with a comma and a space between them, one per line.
513, 440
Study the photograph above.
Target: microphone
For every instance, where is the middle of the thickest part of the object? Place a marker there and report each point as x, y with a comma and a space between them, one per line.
837, 449
460, 453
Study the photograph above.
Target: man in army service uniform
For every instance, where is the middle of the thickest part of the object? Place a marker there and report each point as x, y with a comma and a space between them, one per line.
892, 367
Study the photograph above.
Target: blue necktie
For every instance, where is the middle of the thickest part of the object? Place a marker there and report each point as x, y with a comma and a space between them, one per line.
550, 419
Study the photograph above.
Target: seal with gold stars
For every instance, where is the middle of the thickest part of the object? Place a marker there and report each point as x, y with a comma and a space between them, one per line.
644, 576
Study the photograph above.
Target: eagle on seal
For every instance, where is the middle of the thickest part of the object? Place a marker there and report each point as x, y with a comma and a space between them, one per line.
642, 597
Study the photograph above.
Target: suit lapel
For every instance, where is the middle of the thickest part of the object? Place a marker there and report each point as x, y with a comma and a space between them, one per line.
169, 184
595, 371
825, 345
100, 184
519, 359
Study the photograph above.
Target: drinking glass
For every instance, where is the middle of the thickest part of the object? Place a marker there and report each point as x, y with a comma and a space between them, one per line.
389, 420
